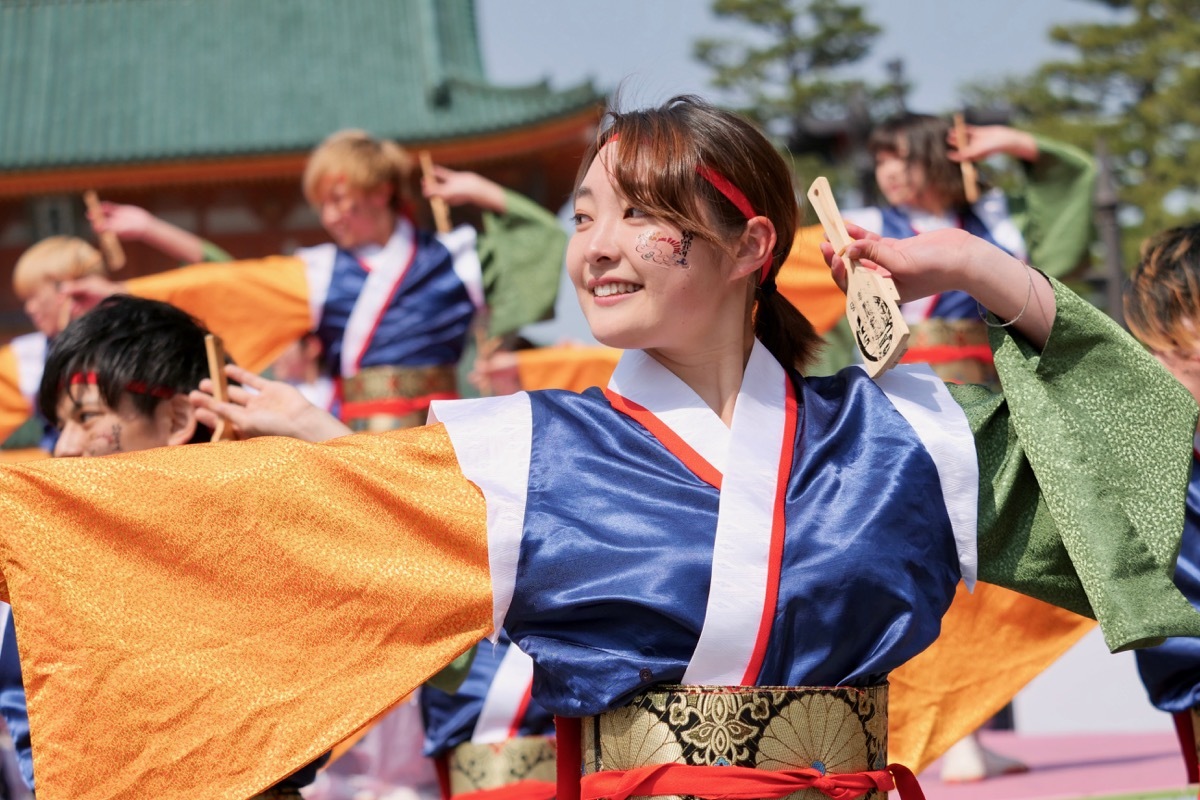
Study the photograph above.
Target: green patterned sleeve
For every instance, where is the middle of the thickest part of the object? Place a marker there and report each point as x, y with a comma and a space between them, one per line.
1054, 212
522, 254
1084, 463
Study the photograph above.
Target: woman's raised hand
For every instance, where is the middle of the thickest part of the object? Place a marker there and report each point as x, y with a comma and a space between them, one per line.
266, 408
952, 259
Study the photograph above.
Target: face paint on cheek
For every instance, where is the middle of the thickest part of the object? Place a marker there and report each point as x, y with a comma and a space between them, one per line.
116, 438
663, 250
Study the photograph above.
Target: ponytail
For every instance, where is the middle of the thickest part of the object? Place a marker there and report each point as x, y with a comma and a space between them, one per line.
783, 330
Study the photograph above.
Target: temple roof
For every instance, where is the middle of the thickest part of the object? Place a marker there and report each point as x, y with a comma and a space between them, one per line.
89, 82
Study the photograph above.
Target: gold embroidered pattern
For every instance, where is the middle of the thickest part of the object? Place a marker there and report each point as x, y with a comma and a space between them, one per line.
837, 730
488, 766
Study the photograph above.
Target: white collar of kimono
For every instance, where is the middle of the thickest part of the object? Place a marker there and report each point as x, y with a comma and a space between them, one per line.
385, 267
506, 699
747, 455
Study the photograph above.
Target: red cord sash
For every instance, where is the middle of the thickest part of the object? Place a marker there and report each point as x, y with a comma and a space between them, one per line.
744, 783
395, 406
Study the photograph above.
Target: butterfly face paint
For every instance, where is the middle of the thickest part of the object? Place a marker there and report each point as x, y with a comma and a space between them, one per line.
666, 251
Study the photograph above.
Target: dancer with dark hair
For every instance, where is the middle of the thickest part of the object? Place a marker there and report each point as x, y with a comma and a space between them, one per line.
707, 543
918, 169
117, 380
1161, 305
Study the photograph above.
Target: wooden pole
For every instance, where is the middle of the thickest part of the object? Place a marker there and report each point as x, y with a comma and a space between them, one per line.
441, 211
220, 386
110, 245
970, 177
1109, 229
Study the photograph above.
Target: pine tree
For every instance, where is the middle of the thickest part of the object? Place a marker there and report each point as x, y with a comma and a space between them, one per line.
790, 73
1133, 82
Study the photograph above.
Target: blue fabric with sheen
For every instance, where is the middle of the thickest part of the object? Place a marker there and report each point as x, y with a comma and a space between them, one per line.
949, 305
12, 699
450, 718
1171, 671
869, 563
426, 319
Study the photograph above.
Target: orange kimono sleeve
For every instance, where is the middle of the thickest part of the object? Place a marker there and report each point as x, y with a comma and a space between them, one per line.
804, 280
571, 368
15, 408
200, 621
257, 307
993, 642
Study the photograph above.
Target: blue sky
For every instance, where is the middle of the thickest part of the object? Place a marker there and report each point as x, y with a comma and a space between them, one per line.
645, 46
647, 43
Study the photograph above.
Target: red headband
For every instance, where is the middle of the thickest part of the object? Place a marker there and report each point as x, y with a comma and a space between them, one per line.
136, 387
731, 193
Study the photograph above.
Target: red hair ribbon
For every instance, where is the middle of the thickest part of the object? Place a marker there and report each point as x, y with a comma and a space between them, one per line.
136, 387
731, 193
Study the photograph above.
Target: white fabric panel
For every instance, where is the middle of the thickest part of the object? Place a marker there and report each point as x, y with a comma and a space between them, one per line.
30, 350
387, 266
940, 423
493, 439
318, 271
992, 210
640, 378
505, 696
870, 218
465, 257
742, 553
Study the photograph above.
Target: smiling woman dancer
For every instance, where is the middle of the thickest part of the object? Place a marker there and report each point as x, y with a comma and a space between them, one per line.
680, 555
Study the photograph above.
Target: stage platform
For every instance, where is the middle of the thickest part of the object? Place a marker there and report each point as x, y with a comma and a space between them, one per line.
1129, 766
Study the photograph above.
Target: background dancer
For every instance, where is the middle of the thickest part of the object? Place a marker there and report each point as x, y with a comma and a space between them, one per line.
1161, 305
917, 168
391, 303
596, 528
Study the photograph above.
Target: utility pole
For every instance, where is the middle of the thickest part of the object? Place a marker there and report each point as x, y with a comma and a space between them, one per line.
1113, 274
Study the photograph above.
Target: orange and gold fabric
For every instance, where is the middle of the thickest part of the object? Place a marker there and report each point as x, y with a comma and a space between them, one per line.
318, 622
15, 409
258, 307
993, 643
804, 279
566, 367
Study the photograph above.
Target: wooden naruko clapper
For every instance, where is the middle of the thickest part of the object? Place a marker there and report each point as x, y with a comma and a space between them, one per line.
872, 302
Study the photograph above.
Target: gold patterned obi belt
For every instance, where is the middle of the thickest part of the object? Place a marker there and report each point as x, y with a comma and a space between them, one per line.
387, 398
742, 741
521, 767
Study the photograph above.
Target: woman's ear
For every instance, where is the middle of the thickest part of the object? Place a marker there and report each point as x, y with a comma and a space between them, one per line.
754, 248
181, 419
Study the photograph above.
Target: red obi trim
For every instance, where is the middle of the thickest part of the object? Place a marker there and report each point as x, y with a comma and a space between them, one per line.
943, 353
521, 790
394, 406
1187, 743
744, 783
568, 738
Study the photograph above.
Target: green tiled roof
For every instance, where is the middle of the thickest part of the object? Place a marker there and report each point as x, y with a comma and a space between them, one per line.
111, 81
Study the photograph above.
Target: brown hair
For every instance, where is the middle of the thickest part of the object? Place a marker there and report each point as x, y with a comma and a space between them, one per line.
920, 139
656, 167
364, 162
1162, 301
54, 259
